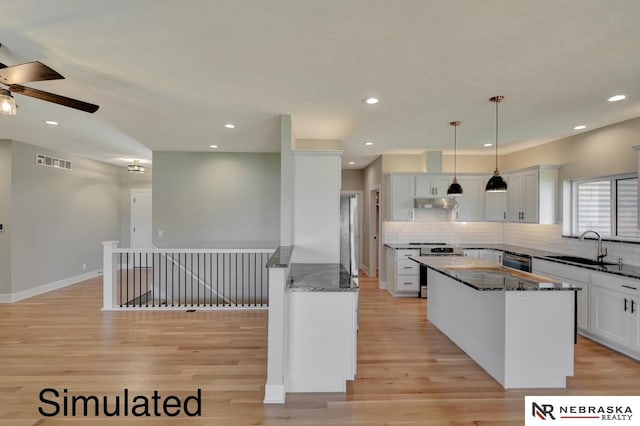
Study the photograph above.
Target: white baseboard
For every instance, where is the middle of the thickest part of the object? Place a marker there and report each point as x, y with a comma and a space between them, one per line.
45, 288
274, 394
365, 268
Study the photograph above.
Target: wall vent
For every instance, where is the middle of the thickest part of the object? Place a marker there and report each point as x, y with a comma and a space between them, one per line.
58, 163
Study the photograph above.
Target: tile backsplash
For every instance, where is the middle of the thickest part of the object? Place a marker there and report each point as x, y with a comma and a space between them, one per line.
438, 226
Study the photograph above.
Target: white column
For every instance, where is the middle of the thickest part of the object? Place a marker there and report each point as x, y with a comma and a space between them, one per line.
274, 391
109, 275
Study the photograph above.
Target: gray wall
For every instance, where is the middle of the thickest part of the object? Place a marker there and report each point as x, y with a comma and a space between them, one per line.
5, 216
129, 181
60, 217
352, 180
216, 200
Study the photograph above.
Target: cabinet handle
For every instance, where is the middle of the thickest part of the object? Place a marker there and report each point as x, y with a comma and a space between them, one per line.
633, 307
408, 283
625, 304
436, 189
629, 287
504, 215
408, 267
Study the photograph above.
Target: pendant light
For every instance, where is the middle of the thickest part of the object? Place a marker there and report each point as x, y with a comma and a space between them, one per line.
496, 183
455, 189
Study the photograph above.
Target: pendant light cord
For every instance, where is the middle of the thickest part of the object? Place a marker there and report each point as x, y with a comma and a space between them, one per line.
455, 151
497, 135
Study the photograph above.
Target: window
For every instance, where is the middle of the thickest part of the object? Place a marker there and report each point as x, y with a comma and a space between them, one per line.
607, 205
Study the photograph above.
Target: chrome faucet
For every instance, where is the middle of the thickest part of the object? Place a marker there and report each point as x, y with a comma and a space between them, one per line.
600, 251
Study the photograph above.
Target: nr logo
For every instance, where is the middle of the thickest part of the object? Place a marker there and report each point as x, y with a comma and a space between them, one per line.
542, 411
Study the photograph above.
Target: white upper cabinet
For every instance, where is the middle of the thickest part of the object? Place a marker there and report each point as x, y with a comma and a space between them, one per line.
532, 195
432, 185
495, 205
471, 202
401, 192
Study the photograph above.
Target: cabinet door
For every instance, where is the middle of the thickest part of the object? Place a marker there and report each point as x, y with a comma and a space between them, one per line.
471, 203
440, 184
634, 325
402, 190
530, 199
515, 197
608, 317
432, 185
495, 206
423, 186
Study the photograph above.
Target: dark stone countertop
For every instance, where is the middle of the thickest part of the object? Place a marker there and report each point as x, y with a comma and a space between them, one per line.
320, 277
487, 276
629, 271
281, 257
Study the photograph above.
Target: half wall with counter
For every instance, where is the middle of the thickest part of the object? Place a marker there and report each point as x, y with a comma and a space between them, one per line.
517, 326
313, 319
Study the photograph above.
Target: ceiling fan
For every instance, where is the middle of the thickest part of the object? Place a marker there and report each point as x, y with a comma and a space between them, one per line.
13, 76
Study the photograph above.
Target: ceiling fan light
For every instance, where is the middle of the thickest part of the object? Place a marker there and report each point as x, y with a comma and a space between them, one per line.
7, 103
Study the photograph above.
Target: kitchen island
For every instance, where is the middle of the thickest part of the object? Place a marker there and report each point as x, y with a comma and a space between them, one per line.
519, 327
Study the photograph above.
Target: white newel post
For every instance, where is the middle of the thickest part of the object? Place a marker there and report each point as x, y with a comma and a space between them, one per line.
274, 391
109, 275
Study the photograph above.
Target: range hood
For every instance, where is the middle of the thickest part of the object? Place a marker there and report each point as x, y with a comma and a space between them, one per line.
435, 203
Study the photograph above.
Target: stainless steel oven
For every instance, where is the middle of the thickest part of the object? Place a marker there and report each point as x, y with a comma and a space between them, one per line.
517, 261
440, 250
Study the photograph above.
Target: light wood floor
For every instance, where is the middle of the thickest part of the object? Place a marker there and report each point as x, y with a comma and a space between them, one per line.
408, 372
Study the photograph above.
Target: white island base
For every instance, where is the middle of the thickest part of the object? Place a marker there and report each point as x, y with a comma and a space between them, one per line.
524, 339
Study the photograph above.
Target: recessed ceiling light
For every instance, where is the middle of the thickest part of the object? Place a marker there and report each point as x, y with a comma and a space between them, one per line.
230, 126
371, 100
487, 144
580, 127
617, 98
368, 143
213, 146
51, 122
351, 163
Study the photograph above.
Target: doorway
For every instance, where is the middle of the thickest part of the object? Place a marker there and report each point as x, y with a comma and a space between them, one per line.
351, 230
374, 230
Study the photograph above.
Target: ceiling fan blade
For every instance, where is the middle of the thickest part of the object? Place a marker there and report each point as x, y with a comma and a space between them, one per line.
24, 73
51, 97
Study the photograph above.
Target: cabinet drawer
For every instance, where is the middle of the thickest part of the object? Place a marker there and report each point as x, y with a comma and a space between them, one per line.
613, 282
405, 254
573, 273
408, 283
407, 267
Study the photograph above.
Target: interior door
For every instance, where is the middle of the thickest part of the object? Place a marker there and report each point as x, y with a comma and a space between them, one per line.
141, 231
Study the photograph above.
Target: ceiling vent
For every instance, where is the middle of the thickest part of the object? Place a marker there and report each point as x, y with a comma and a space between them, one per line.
58, 163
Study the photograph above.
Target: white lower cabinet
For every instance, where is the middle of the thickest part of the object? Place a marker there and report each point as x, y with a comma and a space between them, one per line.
609, 316
403, 274
614, 316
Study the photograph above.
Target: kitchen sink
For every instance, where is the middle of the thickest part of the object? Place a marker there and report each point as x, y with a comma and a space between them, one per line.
581, 260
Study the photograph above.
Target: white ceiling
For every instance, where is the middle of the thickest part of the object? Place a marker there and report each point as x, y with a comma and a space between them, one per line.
169, 74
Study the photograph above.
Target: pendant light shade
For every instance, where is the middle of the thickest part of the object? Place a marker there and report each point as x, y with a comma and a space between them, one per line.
455, 189
496, 183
